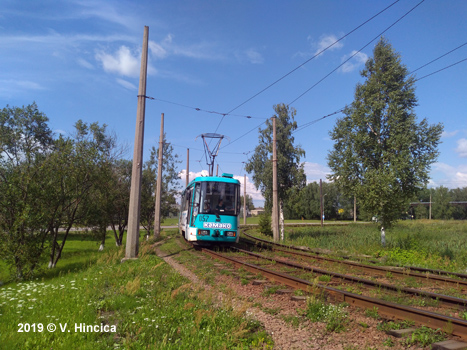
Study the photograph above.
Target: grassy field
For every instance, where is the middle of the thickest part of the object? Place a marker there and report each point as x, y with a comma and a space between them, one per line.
132, 305
429, 244
146, 304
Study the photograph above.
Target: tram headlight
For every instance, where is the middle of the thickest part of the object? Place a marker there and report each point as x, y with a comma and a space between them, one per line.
203, 232
230, 233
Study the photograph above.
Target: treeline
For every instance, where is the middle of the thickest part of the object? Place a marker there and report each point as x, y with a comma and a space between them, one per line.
49, 185
305, 203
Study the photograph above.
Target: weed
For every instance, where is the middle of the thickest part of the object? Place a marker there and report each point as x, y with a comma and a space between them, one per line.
293, 320
388, 342
244, 281
391, 325
299, 292
324, 278
335, 316
272, 311
373, 313
270, 290
425, 336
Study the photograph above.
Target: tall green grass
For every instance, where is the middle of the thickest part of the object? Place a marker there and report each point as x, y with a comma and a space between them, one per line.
430, 244
148, 304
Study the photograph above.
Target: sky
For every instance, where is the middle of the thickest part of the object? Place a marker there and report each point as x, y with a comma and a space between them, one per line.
81, 60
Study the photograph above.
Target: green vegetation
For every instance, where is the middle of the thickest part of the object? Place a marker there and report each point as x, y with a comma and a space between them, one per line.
144, 303
429, 244
335, 316
381, 154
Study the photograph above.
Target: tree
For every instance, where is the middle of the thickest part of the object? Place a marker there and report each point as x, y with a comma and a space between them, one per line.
249, 202
442, 210
290, 171
81, 169
170, 185
459, 212
120, 182
25, 142
381, 154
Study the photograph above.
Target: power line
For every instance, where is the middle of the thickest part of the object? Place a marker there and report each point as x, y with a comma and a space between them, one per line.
238, 138
439, 70
202, 110
352, 56
341, 109
447, 53
316, 55
317, 120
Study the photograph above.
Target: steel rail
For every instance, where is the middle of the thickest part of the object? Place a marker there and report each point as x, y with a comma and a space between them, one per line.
446, 300
373, 269
448, 324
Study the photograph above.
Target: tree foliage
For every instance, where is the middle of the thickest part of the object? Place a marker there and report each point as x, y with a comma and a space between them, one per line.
381, 154
290, 171
170, 185
25, 142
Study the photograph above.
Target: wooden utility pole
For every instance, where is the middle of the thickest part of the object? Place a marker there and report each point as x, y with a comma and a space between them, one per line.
275, 202
187, 167
157, 214
132, 240
244, 199
321, 201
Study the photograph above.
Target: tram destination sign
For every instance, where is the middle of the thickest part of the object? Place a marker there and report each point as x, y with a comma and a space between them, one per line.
216, 225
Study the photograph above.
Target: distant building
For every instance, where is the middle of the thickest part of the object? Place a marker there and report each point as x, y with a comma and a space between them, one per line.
257, 211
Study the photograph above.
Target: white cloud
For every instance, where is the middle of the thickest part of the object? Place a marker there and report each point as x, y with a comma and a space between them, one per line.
358, 60
254, 56
449, 176
157, 50
126, 84
60, 132
250, 188
83, 63
9, 87
123, 62
314, 172
447, 134
462, 148
325, 41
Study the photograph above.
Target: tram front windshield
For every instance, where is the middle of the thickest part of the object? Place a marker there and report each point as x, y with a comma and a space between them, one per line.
219, 198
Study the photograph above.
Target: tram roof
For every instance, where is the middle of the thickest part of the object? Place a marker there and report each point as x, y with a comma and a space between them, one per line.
224, 178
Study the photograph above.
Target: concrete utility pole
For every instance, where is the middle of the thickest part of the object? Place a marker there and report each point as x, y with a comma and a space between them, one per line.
187, 167
275, 202
321, 201
132, 240
244, 199
157, 214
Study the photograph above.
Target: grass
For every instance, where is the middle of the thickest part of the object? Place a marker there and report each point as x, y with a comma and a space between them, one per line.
144, 303
335, 316
424, 243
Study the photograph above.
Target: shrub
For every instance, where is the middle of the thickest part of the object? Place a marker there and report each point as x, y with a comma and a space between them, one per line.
265, 224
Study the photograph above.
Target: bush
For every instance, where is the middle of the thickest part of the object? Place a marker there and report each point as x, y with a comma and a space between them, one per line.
265, 224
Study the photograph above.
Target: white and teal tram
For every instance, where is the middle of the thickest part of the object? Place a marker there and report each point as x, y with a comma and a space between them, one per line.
209, 210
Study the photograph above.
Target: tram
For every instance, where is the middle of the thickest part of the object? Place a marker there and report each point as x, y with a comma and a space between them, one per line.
209, 210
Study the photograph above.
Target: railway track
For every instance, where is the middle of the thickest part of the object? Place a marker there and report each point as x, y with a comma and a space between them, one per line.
431, 278
391, 310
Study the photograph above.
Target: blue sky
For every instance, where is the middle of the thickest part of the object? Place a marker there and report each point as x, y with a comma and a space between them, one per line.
81, 60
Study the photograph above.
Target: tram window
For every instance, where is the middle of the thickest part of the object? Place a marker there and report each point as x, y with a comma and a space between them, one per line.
212, 193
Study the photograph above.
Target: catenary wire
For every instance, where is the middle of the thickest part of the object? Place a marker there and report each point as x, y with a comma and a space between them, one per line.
354, 54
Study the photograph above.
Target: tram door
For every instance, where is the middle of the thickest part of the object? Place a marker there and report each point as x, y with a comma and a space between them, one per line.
189, 199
